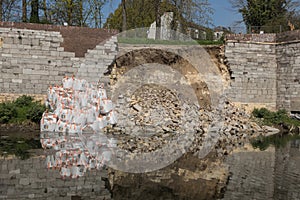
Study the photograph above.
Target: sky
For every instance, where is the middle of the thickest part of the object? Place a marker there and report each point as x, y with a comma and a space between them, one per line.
223, 15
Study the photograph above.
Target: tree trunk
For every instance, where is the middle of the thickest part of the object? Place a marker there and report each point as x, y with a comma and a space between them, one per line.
1, 10
81, 12
45, 11
157, 19
24, 10
34, 15
70, 12
124, 16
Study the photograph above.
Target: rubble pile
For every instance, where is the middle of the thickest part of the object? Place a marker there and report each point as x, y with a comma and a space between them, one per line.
154, 116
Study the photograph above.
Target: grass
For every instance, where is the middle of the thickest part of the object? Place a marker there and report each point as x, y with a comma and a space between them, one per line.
166, 42
22, 109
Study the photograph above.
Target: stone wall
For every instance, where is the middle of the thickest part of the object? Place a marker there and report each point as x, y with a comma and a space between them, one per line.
31, 60
265, 70
288, 76
30, 179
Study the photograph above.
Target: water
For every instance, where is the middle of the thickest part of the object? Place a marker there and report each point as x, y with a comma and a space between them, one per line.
271, 170
273, 173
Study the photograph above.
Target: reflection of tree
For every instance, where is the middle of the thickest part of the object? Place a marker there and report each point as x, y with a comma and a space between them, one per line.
279, 141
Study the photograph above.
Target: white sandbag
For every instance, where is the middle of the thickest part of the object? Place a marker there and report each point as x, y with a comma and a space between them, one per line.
112, 117
84, 100
91, 115
79, 117
79, 84
106, 106
74, 128
102, 93
65, 115
48, 124
61, 126
67, 82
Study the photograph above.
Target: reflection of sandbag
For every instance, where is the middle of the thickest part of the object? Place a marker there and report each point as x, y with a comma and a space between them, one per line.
48, 122
104, 155
106, 106
74, 128
99, 124
112, 143
91, 115
112, 117
83, 159
50, 161
65, 172
61, 126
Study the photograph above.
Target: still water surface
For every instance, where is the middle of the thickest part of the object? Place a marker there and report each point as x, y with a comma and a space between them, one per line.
267, 169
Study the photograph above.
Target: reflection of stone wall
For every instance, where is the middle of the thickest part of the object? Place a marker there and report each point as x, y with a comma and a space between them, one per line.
30, 179
270, 174
252, 175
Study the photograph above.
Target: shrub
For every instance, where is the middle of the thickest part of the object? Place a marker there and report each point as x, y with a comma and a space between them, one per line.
22, 109
280, 117
7, 112
35, 112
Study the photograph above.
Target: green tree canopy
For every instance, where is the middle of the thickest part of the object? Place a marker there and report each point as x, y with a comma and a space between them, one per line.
267, 15
142, 13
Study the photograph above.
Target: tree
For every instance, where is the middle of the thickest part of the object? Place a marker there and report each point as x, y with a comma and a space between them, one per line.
124, 16
10, 10
34, 15
266, 15
142, 13
24, 10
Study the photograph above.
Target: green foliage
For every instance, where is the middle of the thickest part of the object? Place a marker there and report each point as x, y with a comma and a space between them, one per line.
35, 112
274, 118
266, 15
22, 109
8, 111
142, 13
34, 15
279, 141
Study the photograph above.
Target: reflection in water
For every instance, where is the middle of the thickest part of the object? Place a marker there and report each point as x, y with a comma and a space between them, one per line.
270, 174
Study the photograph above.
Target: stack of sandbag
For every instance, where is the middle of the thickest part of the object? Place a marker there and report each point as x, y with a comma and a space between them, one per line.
76, 106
